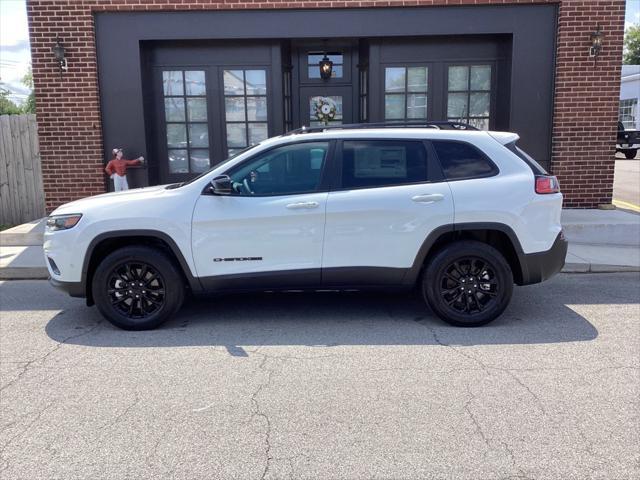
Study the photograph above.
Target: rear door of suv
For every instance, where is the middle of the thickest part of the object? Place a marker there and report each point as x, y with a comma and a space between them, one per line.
390, 195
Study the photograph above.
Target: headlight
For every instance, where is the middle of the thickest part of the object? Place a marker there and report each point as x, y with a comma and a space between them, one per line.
63, 222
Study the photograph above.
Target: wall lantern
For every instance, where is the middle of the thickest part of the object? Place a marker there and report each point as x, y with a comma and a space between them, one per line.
326, 67
59, 53
596, 42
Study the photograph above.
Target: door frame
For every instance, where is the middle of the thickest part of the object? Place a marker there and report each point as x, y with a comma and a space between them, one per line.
299, 81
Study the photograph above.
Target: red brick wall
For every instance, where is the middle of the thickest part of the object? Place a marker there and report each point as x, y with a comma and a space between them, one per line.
585, 113
587, 94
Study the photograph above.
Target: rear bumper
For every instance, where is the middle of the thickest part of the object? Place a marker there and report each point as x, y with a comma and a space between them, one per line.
540, 266
75, 289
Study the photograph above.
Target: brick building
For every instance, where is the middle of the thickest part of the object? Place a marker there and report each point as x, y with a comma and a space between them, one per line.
186, 82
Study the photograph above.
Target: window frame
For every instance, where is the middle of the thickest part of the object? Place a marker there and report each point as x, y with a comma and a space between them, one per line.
406, 92
347, 60
630, 104
492, 89
326, 175
434, 169
495, 168
246, 122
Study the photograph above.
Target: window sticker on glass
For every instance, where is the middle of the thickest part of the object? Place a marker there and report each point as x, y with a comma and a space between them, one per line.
388, 162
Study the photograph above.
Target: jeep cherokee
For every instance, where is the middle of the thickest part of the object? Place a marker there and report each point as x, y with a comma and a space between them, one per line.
460, 214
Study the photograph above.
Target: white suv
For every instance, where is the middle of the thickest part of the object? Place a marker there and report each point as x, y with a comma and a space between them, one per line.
461, 214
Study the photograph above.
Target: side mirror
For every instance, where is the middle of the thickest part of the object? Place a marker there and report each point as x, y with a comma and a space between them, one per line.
221, 185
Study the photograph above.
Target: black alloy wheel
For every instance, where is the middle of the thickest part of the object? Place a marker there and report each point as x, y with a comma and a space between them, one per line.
467, 283
138, 287
136, 290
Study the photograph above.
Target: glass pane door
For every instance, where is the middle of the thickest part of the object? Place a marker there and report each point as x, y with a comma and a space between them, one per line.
245, 106
186, 121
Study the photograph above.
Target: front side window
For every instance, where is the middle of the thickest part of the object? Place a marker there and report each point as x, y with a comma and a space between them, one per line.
461, 160
379, 163
405, 93
469, 95
185, 112
245, 108
285, 170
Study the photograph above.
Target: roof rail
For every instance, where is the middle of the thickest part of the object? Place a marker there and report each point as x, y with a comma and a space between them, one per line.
439, 125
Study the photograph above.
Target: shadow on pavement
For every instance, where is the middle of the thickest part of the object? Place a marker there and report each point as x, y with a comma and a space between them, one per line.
543, 313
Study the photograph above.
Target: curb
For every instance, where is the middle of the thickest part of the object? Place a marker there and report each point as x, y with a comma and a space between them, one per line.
598, 268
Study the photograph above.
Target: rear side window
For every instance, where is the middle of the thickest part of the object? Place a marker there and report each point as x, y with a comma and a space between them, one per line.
379, 163
462, 160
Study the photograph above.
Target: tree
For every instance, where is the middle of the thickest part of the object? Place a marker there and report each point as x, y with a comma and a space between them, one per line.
7, 107
30, 103
632, 45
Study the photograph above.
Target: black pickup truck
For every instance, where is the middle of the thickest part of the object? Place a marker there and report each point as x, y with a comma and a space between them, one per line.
628, 141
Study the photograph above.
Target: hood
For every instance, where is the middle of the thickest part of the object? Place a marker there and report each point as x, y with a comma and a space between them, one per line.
113, 198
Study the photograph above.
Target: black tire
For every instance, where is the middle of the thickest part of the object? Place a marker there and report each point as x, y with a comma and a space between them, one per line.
630, 154
138, 288
467, 283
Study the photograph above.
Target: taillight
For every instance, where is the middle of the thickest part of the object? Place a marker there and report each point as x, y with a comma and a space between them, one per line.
547, 184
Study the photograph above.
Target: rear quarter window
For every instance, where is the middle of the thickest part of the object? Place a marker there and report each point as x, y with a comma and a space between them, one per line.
461, 160
535, 167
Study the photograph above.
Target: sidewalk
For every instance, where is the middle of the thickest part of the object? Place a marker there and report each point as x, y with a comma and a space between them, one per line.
602, 241
599, 241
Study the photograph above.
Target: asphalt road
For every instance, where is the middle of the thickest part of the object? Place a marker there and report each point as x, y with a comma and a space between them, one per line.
325, 386
626, 184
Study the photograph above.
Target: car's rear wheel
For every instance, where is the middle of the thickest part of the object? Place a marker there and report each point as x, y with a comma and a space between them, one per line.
467, 283
137, 288
630, 154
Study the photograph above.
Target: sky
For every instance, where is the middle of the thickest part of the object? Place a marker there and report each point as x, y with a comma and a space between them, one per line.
15, 54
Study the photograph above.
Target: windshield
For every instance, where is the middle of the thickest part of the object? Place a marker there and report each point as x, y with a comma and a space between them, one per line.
217, 165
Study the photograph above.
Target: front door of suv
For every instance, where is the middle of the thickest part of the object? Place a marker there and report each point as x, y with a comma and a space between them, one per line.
269, 232
391, 195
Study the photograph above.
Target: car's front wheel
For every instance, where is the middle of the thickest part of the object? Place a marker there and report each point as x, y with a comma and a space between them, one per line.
137, 288
630, 154
467, 283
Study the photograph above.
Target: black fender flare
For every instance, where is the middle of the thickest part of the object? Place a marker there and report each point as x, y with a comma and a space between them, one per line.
194, 282
414, 271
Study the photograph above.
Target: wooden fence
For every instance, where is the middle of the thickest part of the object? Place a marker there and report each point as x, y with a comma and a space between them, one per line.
21, 193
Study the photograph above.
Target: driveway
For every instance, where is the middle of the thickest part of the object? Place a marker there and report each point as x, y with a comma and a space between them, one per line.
325, 386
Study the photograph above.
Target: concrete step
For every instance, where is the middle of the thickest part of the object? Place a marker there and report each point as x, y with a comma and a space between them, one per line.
24, 235
26, 262
601, 227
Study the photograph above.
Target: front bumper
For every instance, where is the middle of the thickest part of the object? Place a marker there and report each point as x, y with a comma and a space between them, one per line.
540, 266
75, 289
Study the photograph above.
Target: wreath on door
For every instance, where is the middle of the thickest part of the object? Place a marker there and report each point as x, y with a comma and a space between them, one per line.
325, 109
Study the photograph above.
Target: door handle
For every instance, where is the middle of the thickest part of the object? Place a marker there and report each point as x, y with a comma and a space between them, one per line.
301, 205
428, 198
